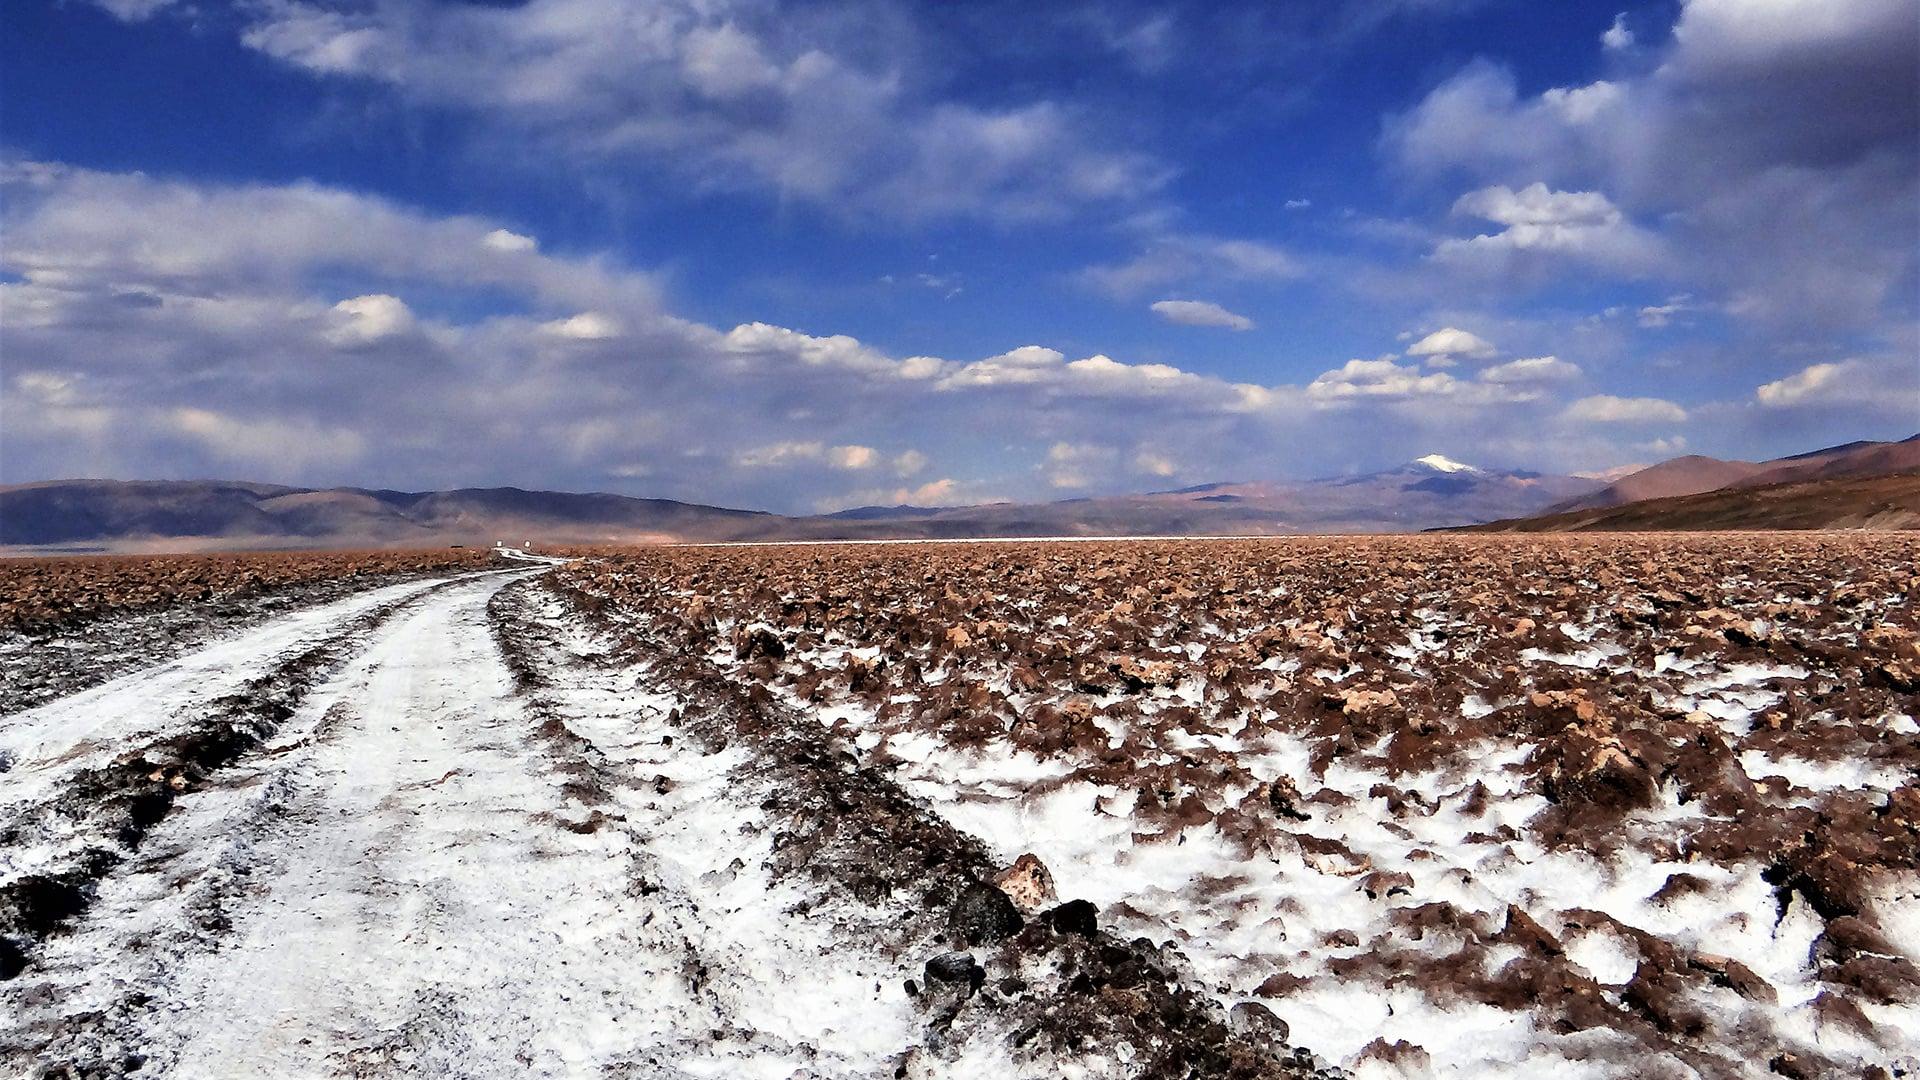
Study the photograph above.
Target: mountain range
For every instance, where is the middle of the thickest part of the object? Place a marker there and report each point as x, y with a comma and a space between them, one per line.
1857, 485
113, 515
1430, 492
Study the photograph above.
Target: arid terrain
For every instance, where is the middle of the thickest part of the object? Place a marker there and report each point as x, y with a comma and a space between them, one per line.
1586, 806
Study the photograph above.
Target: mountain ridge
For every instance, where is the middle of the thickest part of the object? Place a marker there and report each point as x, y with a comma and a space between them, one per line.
109, 515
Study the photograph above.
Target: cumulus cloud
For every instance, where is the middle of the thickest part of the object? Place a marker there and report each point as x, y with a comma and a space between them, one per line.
1449, 342
909, 463
1169, 257
156, 327
1536, 369
245, 441
1070, 465
1200, 313
1618, 36
586, 326
1541, 223
364, 320
1883, 385
1377, 379
504, 240
1149, 463
1657, 316
945, 491
134, 10
808, 452
1749, 111
1608, 409
778, 454
731, 93
852, 457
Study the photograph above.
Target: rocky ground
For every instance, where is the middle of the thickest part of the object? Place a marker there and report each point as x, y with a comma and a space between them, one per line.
1447, 806
1382, 807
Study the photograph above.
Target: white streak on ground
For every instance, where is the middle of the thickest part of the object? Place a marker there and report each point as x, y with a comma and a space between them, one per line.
396, 894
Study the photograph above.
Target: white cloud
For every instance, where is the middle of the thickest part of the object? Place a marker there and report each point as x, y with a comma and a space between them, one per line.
1655, 316
503, 240
909, 463
1887, 385
1536, 369
1377, 379
1152, 464
1618, 36
586, 326
134, 10
778, 344
1024, 365
1200, 313
246, 441
731, 94
1608, 409
852, 457
779, 454
1748, 111
45, 388
1169, 258
364, 320
945, 491
1074, 465
127, 281
1539, 221
1453, 342
1298, 204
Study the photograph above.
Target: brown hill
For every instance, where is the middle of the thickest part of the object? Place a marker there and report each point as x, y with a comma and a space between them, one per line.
1687, 475
105, 515
1695, 473
1880, 503
1853, 459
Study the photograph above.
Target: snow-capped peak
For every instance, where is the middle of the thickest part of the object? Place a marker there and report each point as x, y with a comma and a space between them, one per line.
1443, 464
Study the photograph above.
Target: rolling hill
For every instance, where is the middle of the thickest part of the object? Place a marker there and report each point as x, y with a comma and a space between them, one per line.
1880, 503
1694, 473
1857, 485
109, 515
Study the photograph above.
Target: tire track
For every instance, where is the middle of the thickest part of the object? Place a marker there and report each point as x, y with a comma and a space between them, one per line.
90, 817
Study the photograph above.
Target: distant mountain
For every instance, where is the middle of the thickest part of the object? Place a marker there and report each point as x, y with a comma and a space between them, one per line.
1687, 475
882, 513
82, 515
1857, 485
1880, 503
1693, 474
1420, 494
124, 515
1851, 459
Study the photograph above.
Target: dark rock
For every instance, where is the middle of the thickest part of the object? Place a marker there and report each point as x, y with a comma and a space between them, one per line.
984, 915
1074, 917
1252, 1020
955, 971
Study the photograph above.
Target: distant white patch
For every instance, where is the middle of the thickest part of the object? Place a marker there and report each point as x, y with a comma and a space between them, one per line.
1618, 36
363, 320
1443, 464
586, 326
1200, 313
1452, 341
502, 240
1608, 409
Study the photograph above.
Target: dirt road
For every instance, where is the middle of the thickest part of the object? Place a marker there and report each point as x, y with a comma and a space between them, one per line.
409, 873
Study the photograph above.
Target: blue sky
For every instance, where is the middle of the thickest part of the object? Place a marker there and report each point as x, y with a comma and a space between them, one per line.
809, 256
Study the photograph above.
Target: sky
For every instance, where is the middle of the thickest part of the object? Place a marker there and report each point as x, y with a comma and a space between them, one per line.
802, 257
